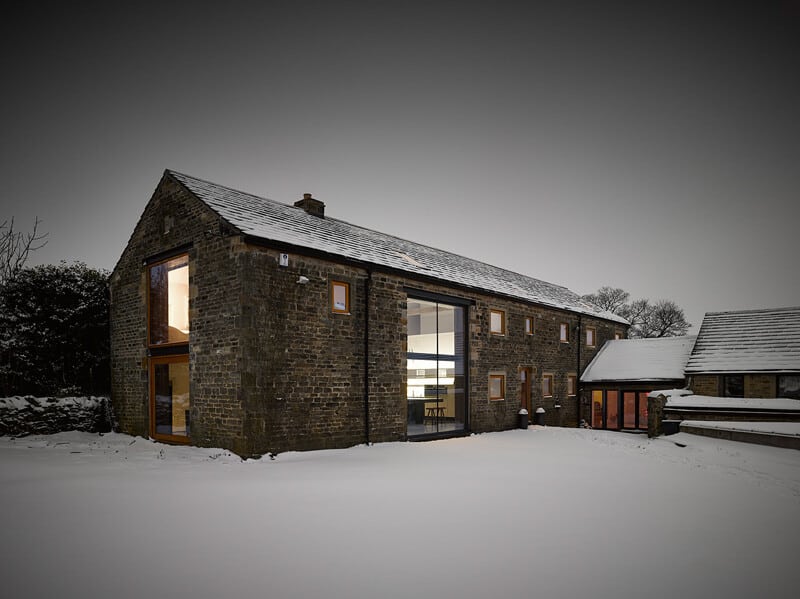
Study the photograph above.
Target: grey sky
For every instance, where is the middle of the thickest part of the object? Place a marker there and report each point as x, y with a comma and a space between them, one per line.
654, 149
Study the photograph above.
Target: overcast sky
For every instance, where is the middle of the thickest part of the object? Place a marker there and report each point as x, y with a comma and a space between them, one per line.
655, 148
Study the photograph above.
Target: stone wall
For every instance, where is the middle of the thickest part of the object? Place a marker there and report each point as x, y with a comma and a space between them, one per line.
28, 415
273, 369
303, 365
705, 384
760, 385
174, 220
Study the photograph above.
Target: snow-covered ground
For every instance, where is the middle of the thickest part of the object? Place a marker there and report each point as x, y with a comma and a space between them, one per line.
546, 512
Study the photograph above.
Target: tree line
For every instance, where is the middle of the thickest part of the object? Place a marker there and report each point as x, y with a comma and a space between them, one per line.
662, 318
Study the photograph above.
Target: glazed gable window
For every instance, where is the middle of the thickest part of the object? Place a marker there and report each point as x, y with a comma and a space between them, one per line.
529, 325
168, 301
563, 332
340, 297
591, 336
497, 322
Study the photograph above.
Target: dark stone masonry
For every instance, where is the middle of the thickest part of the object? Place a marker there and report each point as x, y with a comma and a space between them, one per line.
272, 368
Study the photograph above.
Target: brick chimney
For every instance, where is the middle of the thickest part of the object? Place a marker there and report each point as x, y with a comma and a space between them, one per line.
310, 205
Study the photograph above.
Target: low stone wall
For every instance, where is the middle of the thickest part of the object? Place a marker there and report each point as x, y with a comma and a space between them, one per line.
27, 415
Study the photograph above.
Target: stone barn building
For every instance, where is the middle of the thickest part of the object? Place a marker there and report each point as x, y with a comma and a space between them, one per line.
747, 353
244, 323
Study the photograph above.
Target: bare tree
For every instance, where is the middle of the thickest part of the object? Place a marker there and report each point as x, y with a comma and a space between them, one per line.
664, 319
16, 246
660, 319
608, 298
636, 313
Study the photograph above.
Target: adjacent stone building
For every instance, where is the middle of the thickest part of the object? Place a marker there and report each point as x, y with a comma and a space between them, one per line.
249, 324
747, 353
624, 372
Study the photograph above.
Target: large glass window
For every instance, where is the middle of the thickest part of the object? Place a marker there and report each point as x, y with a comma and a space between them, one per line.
643, 409
612, 409
629, 409
169, 380
597, 408
169, 301
436, 381
168, 335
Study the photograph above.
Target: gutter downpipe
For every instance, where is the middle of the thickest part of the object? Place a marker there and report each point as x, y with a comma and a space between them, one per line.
367, 282
578, 373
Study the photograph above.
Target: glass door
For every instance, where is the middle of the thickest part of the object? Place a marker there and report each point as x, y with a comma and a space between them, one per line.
436, 381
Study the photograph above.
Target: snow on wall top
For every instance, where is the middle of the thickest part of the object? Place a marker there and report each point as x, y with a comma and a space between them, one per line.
273, 221
659, 359
748, 341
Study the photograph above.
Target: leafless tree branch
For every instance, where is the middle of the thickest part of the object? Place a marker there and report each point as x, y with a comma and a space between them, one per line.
16, 246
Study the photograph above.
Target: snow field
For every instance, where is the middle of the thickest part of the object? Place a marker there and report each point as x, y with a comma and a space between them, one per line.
538, 513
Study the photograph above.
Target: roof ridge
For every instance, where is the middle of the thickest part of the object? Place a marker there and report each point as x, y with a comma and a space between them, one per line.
231, 205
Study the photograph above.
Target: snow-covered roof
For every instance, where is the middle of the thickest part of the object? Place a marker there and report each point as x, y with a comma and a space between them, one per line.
748, 341
658, 359
269, 220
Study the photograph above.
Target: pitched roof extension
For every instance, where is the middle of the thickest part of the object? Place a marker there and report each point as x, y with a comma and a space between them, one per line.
657, 359
268, 220
748, 341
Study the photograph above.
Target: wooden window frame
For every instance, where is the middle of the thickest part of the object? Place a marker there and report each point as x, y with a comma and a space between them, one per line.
153, 362
529, 325
150, 266
572, 381
502, 314
502, 378
563, 327
593, 331
547, 377
618, 335
346, 286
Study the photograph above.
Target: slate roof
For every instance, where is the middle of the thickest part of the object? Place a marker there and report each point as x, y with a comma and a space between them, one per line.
269, 220
748, 341
658, 359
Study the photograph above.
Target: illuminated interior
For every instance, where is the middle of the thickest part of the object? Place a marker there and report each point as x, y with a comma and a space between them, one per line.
435, 367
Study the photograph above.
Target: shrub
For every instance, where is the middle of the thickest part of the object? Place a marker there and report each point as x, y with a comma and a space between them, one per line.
54, 331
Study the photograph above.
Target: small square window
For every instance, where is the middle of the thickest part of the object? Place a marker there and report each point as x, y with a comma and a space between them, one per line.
497, 387
572, 383
733, 386
617, 335
547, 385
591, 336
529, 325
564, 332
340, 297
497, 324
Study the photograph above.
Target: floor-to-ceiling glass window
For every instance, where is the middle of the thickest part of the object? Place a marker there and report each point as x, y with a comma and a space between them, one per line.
436, 390
168, 340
